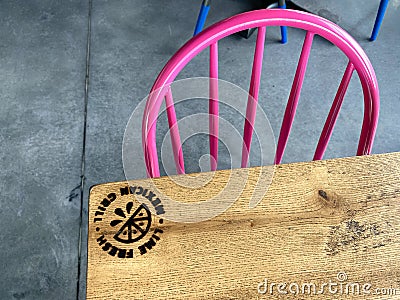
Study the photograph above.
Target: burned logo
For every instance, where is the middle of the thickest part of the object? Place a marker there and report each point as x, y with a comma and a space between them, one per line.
135, 227
125, 226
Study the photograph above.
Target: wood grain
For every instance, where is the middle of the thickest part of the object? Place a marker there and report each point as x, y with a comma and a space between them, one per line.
318, 219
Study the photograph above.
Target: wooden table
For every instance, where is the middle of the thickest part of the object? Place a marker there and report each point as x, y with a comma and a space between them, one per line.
327, 222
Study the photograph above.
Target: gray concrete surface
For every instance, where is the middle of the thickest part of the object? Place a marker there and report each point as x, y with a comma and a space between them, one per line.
42, 63
42, 71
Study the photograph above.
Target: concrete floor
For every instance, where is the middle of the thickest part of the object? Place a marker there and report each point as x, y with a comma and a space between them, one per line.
45, 136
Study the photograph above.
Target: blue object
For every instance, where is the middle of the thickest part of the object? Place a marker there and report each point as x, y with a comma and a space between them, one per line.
283, 28
379, 18
205, 7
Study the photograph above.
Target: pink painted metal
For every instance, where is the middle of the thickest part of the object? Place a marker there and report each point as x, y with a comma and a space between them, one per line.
251, 108
333, 113
174, 130
294, 96
213, 106
262, 18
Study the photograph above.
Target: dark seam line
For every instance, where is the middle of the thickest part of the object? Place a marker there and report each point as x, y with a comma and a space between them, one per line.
82, 186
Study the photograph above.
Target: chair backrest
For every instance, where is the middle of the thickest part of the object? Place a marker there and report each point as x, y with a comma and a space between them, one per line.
313, 25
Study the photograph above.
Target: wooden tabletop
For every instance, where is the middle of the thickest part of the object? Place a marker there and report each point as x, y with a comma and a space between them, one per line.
325, 229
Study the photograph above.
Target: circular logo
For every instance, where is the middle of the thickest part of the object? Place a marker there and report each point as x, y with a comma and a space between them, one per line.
135, 227
125, 227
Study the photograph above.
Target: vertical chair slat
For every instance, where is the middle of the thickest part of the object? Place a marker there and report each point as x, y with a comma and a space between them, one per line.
251, 108
294, 97
334, 112
213, 106
175, 137
150, 153
149, 122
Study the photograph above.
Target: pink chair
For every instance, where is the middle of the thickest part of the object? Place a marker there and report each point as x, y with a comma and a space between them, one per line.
313, 25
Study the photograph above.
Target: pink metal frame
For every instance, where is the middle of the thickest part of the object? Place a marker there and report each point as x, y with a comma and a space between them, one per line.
261, 19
